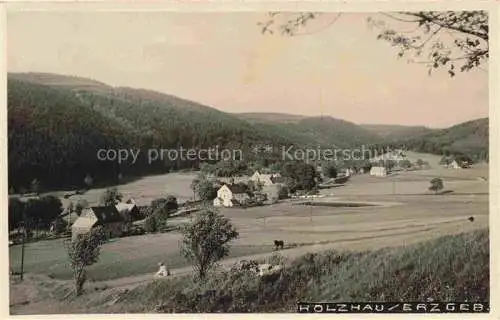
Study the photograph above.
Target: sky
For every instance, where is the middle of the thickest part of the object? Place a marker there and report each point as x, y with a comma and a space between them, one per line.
224, 61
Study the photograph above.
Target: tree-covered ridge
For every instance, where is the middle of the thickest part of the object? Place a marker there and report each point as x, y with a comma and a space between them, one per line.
54, 138
325, 131
470, 138
55, 131
391, 132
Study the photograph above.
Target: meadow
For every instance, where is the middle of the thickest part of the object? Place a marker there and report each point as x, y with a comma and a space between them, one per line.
405, 213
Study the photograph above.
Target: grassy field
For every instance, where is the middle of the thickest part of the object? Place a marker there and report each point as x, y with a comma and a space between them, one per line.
444, 269
406, 215
123, 258
143, 190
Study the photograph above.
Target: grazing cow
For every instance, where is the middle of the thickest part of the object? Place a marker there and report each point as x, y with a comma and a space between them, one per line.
278, 244
471, 219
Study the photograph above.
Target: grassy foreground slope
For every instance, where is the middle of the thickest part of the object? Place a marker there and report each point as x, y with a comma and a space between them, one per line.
446, 269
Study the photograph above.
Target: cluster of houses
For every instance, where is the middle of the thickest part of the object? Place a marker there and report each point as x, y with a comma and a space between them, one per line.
231, 194
115, 220
455, 165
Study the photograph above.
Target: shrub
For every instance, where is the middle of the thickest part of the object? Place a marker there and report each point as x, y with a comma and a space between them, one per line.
151, 224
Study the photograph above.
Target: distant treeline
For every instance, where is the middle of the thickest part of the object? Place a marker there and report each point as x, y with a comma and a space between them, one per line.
54, 134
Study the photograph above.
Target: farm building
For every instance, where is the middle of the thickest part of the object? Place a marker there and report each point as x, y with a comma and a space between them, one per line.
454, 165
108, 217
129, 211
266, 179
378, 171
230, 195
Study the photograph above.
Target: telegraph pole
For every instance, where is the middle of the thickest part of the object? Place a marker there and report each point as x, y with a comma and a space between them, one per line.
22, 248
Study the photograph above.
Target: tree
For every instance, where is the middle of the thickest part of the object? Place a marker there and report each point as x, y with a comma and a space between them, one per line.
445, 160
84, 251
329, 170
88, 181
71, 207
282, 191
16, 212
405, 163
436, 185
206, 240
60, 225
43, 210
299, 176
164, 206
455, 40
80, 205
206, 190
111, 196
195, 182
151, 224
35, 186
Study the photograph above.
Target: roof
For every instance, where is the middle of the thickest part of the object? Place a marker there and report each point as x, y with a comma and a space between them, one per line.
277, 179
107, 214
69, 217
125, 207
236, 188
84, 222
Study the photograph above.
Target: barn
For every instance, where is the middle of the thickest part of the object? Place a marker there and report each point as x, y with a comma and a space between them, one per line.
107, 217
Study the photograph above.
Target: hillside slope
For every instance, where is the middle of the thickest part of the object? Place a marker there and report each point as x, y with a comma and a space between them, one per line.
324, 131
56, 125
55, 130
396, 132
470, 138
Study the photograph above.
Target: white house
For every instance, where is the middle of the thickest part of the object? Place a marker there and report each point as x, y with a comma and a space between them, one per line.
265, 179
378, 171
230, 195
454, 165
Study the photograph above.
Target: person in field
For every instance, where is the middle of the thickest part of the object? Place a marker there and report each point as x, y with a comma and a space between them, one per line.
163, 271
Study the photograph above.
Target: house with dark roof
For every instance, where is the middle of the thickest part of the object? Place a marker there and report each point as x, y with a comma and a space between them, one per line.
108, 217
266, 179
230, 195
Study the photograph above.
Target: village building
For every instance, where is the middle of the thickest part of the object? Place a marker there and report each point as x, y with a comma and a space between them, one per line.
130, 211
266, 179
454, 165
378, 171
230, 196
108, 217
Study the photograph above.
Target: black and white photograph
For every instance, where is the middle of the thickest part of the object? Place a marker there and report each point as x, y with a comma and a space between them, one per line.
314, 161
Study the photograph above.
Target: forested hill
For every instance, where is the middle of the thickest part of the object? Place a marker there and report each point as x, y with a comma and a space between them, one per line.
396, 132
56, 130
56, 125
468, 138
323, 130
